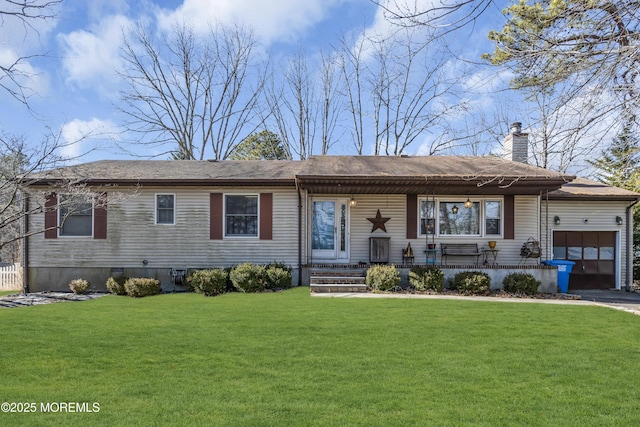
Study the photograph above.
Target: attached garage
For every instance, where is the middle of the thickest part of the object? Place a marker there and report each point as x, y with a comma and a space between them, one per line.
591, 224
594, 254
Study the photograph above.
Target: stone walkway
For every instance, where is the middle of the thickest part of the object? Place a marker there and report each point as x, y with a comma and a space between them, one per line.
39, 298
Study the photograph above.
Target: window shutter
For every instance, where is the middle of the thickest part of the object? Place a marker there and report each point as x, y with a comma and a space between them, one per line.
266, 216
412, 216
51, 216
215, 212
509, 217
100, 217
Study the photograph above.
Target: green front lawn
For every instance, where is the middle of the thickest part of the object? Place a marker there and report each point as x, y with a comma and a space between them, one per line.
289, 359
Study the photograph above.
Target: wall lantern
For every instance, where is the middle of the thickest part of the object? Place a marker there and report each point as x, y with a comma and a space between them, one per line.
556, 220
454, 210
353, 202
468, 203
619, 220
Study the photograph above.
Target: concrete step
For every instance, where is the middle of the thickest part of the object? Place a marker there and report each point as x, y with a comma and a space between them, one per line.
337, 287
346, 280
329, 281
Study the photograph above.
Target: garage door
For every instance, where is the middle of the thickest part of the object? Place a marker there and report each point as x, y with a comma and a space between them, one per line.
594, 253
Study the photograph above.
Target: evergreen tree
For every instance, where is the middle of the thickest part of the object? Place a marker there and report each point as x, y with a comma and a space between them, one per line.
620, 166
264, 145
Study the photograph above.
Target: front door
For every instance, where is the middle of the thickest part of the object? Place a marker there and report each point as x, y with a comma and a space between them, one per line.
594, 254
329, 230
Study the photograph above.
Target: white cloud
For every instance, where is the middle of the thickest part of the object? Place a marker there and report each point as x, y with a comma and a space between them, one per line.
92, 57
274, 20
80, 137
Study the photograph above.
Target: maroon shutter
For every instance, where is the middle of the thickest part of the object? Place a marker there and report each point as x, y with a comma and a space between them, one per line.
215, 212
266, 216
509, 217
100, 217
51, 216
412, 216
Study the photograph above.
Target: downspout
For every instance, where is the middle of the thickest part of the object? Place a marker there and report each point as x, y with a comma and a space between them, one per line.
547, 232
25, 245
299, 233
630, 254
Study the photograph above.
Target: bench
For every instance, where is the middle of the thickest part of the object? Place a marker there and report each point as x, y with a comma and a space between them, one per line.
460, 249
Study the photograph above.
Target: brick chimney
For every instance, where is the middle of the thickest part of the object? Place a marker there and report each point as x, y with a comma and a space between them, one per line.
516, 144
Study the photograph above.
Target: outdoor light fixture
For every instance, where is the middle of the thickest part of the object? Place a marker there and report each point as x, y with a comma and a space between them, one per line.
353, 202
556, 220
619, 220
468, 203
454, 210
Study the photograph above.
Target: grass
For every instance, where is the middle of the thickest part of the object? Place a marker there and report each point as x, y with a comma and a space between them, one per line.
289, 359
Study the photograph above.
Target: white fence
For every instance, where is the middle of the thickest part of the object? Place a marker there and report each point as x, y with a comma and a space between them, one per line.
11, 277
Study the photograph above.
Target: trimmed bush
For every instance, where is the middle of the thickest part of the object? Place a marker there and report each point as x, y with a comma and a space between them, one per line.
472, 282
521, 283
278, 277
423, 278
208, 282
115, 285
79, 286
382, 277
142, 286
248, 277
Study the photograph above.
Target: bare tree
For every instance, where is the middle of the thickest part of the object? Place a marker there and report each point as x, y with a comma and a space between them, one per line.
352, 67
14, 75
441, 15
413, 92
21, 170
193, 92
330, 100
293, 104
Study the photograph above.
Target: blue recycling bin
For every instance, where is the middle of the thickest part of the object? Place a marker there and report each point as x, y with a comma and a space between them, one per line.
564, 269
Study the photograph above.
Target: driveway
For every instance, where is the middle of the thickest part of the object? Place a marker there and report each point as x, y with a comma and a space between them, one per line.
618, 299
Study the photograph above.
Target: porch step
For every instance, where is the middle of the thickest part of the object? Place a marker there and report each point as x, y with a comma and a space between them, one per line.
337, 281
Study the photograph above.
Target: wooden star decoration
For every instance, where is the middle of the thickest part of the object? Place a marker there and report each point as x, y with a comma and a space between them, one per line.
378, 222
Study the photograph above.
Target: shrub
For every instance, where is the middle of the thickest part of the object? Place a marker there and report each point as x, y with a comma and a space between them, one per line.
248, 277
382, 277
426, 278
208, 282
473, 282
142, 286
520, 283
277, 277
79, 286
115, 285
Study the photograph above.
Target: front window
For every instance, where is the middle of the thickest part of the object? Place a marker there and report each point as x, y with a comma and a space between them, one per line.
427, 217
451, 217
241, 215
493, 217
165, 209
75, 216
456, 219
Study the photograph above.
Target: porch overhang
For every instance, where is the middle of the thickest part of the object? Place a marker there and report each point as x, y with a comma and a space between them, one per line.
429, 185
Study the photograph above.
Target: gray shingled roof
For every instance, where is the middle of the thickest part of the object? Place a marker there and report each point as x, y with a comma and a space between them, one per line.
582, 188
177, 171
344, 174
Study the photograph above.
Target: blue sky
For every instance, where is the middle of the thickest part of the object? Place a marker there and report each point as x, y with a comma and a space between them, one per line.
75, 84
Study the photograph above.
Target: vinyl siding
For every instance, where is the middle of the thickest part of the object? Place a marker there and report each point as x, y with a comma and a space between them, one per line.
132, 235
394, 207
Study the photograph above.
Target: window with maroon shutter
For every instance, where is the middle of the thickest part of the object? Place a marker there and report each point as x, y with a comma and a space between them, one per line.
266, 216
100, 217
215, 212
51, 216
